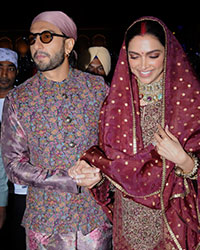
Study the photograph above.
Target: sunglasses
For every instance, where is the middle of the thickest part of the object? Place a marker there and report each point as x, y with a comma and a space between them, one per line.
45, 37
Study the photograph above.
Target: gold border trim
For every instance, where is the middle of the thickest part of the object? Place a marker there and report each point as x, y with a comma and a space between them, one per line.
124, 191
163, 125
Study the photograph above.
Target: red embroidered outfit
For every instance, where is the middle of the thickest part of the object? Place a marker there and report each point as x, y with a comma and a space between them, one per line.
153, 207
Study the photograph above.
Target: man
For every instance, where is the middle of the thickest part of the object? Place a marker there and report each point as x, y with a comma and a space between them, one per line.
96, 60
8, 72
17, 199
48, 122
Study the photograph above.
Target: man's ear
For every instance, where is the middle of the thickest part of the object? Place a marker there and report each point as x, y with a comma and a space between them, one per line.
69, 44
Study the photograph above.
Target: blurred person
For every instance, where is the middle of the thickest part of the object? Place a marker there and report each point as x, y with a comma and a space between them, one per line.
6, 42
48, 122
82, 44
26, 66
149, 143
96, 60
17, 193
99, 40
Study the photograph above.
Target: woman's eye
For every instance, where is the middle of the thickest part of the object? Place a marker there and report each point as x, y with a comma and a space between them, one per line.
154, 56
133, 57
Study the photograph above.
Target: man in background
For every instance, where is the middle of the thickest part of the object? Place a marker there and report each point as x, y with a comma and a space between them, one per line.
17, 193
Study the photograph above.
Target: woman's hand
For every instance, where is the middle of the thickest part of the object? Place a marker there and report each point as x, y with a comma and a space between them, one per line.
85, 175
170, 148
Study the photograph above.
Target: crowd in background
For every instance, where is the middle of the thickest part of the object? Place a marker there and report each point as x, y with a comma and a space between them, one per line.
97, 48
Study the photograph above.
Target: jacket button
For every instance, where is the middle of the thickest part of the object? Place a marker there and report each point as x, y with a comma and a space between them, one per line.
72, 144
68, 119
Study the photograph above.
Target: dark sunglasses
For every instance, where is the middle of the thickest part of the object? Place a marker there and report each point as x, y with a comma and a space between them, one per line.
45, 37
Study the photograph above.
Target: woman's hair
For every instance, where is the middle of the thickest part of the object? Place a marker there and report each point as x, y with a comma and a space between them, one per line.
145, 27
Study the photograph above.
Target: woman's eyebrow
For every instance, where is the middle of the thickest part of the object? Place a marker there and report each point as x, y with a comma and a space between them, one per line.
147, 53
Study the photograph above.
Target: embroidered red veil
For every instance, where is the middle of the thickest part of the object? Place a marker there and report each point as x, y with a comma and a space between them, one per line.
138, 171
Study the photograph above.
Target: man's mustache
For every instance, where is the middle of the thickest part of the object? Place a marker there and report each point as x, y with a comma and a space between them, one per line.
38, 53
4, 80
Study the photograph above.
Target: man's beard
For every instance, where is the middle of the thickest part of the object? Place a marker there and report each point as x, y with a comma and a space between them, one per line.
54, 61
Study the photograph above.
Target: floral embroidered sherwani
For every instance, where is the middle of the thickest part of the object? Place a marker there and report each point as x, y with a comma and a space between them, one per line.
46, 127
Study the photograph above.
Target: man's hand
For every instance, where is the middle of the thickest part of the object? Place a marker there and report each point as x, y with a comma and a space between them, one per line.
84, 174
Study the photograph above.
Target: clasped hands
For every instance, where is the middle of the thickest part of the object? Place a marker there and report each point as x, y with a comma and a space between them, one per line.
167, 146
85, 175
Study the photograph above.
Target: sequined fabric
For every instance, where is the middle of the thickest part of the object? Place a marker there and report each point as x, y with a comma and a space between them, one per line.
141, 227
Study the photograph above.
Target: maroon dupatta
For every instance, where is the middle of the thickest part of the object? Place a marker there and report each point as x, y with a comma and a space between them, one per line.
138, 171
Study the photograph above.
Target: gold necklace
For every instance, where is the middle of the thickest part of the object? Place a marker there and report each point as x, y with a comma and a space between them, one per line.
150, 92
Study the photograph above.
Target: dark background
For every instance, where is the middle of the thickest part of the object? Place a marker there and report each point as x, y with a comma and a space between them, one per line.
110, 18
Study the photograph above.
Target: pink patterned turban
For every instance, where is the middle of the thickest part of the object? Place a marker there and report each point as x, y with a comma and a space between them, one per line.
60, 20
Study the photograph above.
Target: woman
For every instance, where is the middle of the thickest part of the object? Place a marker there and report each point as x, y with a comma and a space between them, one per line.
149, 143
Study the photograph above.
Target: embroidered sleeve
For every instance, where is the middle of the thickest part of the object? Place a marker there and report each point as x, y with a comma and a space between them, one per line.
16, 158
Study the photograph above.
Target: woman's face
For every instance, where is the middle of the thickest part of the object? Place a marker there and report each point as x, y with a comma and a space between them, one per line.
146, 58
